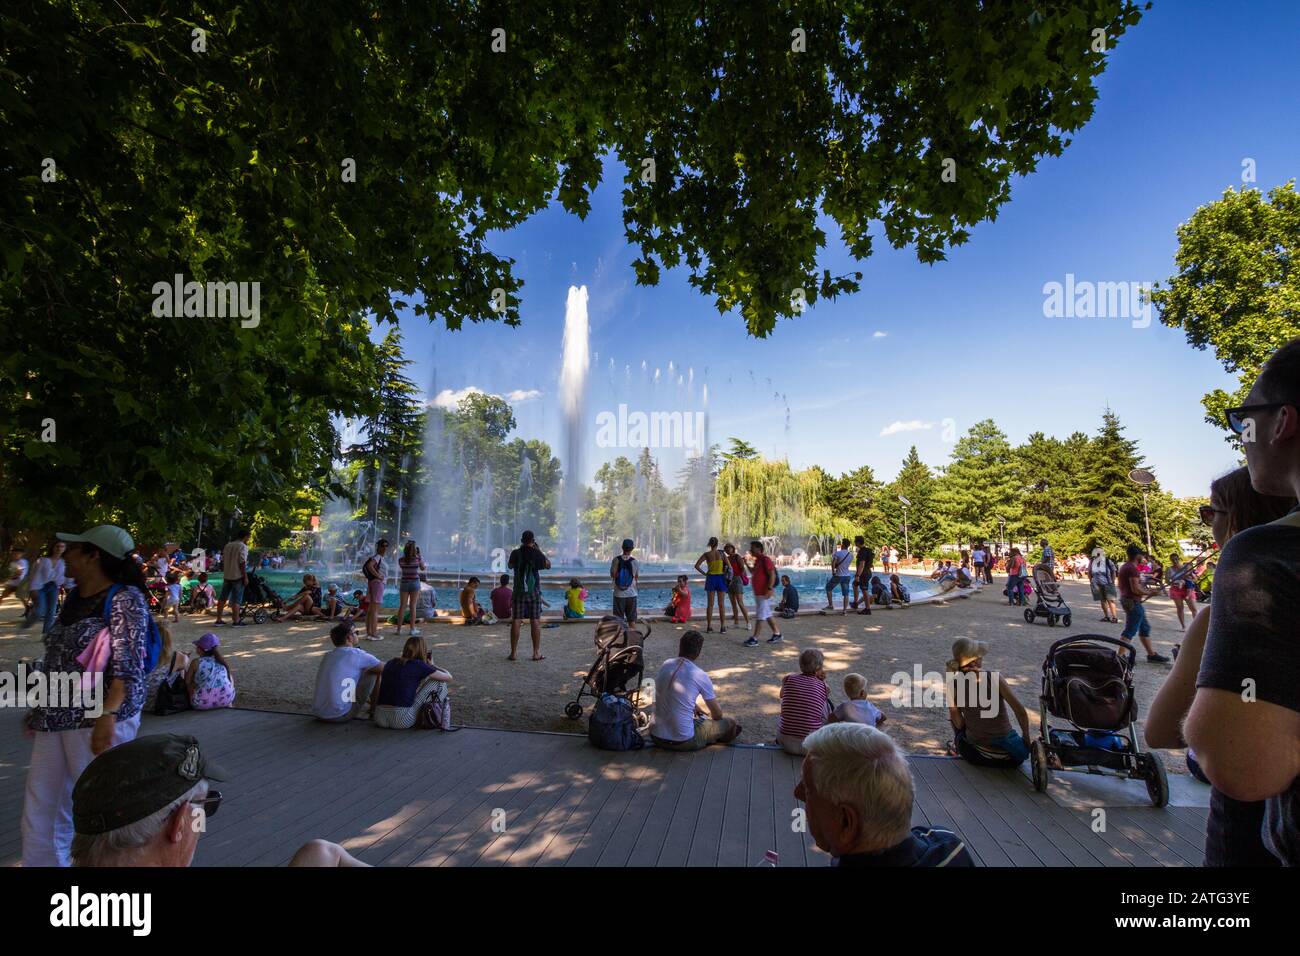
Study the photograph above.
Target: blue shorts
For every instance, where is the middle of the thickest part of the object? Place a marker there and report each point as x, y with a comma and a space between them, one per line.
232, 591
843, 580
715, 582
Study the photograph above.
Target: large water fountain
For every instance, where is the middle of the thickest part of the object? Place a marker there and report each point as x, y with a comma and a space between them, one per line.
573, 394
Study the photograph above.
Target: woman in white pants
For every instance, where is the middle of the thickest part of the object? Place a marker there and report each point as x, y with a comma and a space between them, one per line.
68, 734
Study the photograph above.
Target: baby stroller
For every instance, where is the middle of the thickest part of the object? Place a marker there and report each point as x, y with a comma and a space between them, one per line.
1089, 684
1048, 602
258, 597
619, 665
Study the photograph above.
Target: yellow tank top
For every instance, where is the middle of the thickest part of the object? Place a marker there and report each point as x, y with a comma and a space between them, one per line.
715, 564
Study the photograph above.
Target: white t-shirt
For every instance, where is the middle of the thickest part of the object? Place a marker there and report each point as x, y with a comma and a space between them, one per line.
231, 555
629, 591
977, 556
161, 563
174, 593
379, 566
18, 570
334, 698
47, 570
840, 562
675, 699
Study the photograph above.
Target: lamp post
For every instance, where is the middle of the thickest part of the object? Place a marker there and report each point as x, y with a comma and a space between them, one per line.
1143, 478
907, 547
1002, 533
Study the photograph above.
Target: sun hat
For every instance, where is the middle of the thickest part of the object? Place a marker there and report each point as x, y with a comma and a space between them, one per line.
967, 649
207, 642
107, 537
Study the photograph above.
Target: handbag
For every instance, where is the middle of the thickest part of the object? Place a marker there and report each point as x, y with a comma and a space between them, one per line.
435, 714
173, 695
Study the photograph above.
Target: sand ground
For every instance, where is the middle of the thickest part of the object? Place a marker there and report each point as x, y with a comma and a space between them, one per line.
275, 664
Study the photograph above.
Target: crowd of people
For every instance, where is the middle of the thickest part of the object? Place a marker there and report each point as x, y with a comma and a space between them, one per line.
97, 795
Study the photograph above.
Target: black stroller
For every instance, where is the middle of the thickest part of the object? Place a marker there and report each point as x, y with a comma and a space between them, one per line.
258, 598
1089, 683
618, 668
1048, 601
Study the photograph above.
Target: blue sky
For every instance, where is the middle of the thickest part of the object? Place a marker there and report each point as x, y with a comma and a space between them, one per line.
1196, 88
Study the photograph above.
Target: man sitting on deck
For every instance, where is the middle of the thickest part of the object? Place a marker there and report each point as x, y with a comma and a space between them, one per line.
680, 723
858, 791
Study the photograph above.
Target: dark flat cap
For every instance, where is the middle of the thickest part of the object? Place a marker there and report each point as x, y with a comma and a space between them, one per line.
129, 782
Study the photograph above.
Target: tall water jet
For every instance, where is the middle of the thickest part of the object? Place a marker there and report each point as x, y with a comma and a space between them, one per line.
573, 395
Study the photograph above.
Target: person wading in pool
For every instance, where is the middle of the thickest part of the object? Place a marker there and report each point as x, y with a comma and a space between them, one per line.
715, 567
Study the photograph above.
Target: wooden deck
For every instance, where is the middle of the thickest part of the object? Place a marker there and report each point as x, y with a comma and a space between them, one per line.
494, 798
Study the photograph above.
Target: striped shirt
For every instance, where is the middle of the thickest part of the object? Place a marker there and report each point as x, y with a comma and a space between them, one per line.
410, 569
804, 704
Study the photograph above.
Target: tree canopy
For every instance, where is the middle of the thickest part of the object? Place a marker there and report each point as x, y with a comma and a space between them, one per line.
354, 161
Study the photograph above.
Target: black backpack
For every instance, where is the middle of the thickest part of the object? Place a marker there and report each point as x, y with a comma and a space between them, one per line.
173, 696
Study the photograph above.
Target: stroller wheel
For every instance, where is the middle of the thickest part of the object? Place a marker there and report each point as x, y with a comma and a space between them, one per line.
1157, 781
1066, 620
573, 710
1029, 615
1051, 620
259, 616
642, 720
1042, 774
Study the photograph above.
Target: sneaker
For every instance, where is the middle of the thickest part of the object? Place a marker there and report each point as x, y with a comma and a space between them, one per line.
415, 633
1157, 659
752, 642
775, 638
374, 637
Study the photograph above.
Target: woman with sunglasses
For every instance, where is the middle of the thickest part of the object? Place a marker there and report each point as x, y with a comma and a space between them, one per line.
1182, 586
68, 734
1233, 829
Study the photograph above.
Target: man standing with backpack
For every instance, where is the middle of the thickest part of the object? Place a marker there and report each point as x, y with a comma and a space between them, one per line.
624, 571
528, 563
866, 560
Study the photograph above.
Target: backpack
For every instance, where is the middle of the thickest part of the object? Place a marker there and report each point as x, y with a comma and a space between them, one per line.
173, 696
153, 637
613, 725
623, 578
527, 579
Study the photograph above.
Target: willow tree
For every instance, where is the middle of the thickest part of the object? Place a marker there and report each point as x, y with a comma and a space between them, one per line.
759, 498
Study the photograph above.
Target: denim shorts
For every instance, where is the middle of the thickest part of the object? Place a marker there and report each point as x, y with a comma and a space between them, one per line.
410, 587
843, 580
233, 591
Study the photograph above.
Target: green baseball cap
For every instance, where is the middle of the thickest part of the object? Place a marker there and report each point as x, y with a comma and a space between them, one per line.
132, 780
106, 537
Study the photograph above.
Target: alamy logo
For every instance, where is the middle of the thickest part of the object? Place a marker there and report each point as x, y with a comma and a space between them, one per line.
653, 430
951, 689
208, 300
75, 908
1098, 300
26, 688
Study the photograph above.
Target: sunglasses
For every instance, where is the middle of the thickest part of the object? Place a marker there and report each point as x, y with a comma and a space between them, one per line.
210, 804
1208, 512
1237, 418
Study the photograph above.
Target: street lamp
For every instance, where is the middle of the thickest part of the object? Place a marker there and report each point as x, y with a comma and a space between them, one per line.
1142, 477
1002, 533
906, 545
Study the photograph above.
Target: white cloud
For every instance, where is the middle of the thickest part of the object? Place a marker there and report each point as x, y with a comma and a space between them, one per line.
450, 399
878, 335
915, 425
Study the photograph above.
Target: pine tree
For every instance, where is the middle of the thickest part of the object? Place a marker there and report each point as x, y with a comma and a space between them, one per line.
978, 486
915, 482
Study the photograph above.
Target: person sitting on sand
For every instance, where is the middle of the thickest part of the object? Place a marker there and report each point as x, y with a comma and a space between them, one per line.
502, 599
805, 702
470, 609
575, 599
789, 605
982, 731
208, 677
360, 604
898, 591
347, 679
856, 709
202, 596
407, 684
680, 722
306, 602
334, 605
679, 608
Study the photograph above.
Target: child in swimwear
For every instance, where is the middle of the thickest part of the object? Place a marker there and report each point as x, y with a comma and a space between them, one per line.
680, 608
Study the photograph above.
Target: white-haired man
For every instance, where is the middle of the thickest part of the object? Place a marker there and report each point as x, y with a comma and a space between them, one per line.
858, 791
146, 802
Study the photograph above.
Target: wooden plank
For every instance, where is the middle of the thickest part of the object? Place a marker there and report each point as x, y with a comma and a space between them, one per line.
570, 833
620, 811
986, 784
654, 830
761, 834
707, 838
676, 847
1125, 820
733, 840
979, 840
